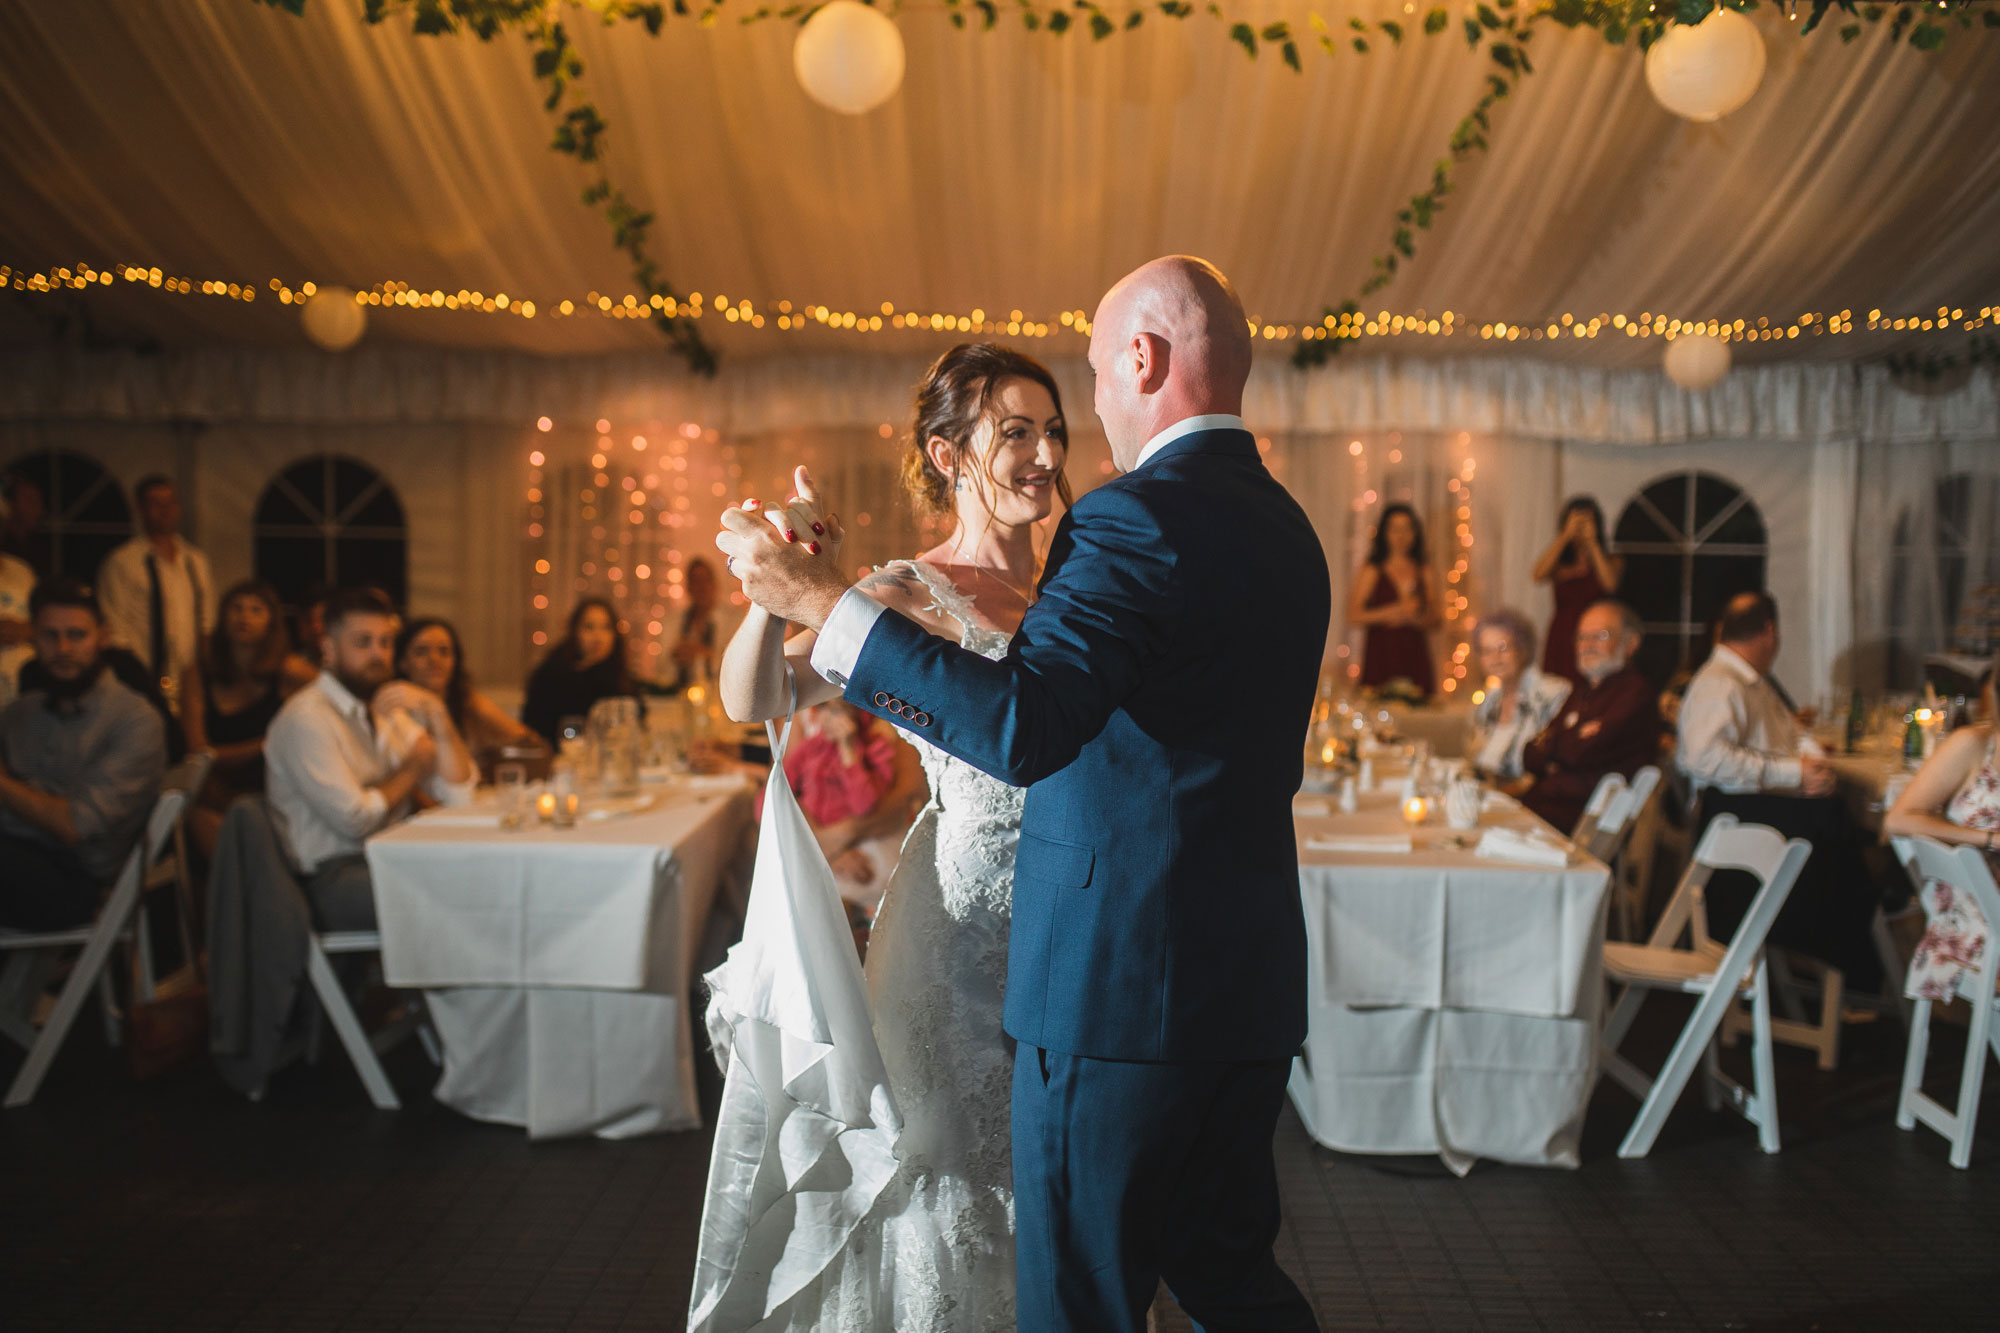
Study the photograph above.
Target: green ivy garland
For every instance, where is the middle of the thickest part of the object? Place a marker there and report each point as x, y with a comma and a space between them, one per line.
1502, 27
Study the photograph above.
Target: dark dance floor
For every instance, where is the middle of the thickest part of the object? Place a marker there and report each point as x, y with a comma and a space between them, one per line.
174, 1204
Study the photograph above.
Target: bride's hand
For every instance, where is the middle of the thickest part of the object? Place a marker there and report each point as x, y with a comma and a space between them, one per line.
804, 512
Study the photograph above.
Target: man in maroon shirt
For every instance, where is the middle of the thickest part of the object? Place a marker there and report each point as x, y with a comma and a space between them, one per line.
1609, 724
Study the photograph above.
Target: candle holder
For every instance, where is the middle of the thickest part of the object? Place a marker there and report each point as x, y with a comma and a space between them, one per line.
1416, 810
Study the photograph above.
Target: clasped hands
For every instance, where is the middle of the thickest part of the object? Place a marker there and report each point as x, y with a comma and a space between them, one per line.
787, 558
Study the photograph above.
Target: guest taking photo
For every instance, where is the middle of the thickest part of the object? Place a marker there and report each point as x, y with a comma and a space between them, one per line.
1395, 595
1581, 572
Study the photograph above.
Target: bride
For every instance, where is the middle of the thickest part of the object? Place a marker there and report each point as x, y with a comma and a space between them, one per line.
936, 1252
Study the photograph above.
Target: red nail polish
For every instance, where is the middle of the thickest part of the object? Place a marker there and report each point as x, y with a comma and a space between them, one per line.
790, 535
819, 530
813, 547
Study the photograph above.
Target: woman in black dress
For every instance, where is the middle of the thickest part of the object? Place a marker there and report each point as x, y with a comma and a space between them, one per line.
589, 664
247, 670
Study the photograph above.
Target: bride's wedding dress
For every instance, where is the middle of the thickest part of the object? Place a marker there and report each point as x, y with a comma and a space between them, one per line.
936, 1253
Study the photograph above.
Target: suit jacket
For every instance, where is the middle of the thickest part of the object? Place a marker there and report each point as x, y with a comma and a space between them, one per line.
1611, 727
1155, 702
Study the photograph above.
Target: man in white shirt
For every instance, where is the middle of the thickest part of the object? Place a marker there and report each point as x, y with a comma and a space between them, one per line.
338, 770
1744, 754
157, 591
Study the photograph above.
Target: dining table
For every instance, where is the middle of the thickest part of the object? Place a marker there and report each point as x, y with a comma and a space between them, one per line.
1455, 999
556, 962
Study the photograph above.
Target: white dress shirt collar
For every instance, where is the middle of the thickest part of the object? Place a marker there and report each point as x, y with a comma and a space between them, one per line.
344, 703
1185, 427
1732, 661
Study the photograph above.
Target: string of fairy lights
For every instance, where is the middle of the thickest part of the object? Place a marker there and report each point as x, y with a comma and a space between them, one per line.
784, 316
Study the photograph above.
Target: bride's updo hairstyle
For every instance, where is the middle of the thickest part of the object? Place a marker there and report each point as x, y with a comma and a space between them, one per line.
951, 403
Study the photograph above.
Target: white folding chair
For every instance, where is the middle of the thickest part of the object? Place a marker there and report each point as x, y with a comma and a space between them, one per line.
1630, 806
1967, 872
361, 1048
1601, 796
28, 969
171, 868
1718, 975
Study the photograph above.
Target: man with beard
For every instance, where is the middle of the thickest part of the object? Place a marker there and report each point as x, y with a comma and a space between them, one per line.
333, 777
80, 766
1609, 724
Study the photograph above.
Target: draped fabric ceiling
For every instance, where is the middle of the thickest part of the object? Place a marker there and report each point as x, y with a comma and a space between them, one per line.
223, 139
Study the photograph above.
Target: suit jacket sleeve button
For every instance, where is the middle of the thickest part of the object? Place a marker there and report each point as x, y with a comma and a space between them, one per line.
922, 719
881, 699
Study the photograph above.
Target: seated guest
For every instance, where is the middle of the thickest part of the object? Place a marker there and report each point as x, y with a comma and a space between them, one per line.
338, 769
1519, 698
1609, 724
589, 664
428, 655
80, 765
17, 635
134, 675
859, 787
247, 670
1742, 752
1954, 798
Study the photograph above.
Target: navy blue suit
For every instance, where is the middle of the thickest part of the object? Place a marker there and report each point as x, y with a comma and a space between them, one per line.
1155, 702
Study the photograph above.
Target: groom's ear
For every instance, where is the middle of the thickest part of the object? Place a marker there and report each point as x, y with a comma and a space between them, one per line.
1150, 357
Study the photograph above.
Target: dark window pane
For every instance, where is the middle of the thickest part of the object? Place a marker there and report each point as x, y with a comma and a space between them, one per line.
1669, 496
292, 565
1712, 495
373, 564
380, 510
1637, 524
277, 507
1717, 578
79, 554
1745, 527
1658, 658
101, 502
350, 481
1652, 587
309, 480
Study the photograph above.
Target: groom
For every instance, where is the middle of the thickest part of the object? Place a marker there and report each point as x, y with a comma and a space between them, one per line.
1155, 703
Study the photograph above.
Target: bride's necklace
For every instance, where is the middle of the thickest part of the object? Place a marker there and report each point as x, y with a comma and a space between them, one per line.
1027, 595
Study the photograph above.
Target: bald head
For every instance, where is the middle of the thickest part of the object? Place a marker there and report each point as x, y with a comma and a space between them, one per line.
1169, 342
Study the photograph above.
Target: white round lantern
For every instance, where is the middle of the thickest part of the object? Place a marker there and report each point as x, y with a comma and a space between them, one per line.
333, 318
1697, 361
849, 57
1706, 71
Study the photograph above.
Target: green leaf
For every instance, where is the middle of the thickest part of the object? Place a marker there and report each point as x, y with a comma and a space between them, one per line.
1473, 32
1850, 32
1245, 37
1031, 20
1276, 32
1134, 19
1991, 18
957, 19
1290, 52
1503, 56
1487, 18
432, 19
1357, 25
1435, 22
988, 12
1360, 46
1692, 12
1100, 26
1395, 31
1927, 36
1058, 22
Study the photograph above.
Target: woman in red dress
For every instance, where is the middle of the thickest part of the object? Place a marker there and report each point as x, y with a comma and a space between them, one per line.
1581, 572
1395, 595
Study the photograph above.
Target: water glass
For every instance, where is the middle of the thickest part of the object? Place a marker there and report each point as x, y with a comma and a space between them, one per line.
511, 783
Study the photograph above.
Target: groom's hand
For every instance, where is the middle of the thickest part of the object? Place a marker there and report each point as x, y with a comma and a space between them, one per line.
793, 574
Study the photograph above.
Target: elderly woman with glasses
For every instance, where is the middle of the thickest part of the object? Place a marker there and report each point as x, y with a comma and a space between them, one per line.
1519, 698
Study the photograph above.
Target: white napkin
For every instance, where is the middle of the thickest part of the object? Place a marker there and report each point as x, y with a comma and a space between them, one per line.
448, 817
1373, 843
1311, 807
1498, 800
1505, 844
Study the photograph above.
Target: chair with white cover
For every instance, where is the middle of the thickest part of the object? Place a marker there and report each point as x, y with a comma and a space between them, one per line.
21, 983
1966, 871
1719, 976
1629, 808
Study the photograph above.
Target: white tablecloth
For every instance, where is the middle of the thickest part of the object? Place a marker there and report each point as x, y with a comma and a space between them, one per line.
557, 962
1454, 1000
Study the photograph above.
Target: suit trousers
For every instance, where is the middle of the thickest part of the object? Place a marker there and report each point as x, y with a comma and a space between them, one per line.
1129, 1172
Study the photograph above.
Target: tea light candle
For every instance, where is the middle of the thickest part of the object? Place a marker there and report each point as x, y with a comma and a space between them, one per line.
545, 805
1416, 810
1329, 753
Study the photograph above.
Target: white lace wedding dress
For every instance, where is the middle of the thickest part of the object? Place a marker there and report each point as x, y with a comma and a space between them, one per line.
936, 1254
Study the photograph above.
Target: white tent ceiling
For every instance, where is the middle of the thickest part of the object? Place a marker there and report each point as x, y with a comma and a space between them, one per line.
222, 139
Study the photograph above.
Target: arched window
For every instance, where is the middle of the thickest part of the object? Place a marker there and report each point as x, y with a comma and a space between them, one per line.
86, 514
331, 522
1691, 541
1945, 576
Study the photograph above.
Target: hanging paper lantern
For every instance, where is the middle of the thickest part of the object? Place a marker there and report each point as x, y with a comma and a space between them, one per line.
333, 318
849, 57
1705, 71
1696, 361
